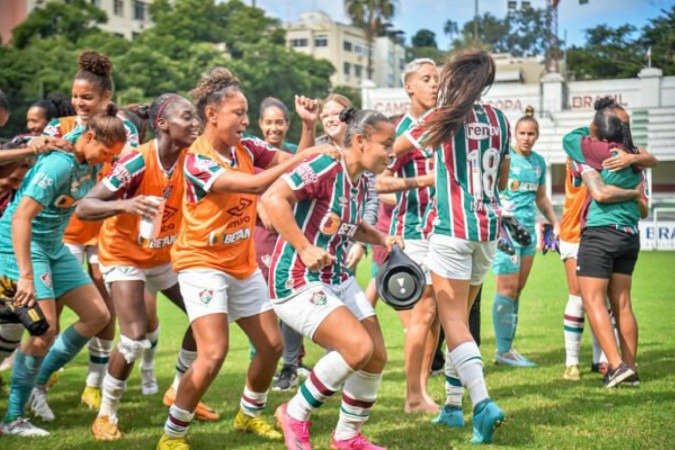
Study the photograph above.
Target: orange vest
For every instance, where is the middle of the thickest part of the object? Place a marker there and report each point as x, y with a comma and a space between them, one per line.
575, 197
217, 230
120, 242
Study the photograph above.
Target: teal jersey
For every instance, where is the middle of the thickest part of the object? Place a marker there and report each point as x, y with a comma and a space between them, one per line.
408, 219
60, 127
526, 174
57, 181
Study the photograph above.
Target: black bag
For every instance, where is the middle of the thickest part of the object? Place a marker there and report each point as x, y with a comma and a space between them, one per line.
33, 319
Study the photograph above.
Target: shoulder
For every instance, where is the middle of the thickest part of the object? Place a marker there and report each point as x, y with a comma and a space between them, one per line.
290, 148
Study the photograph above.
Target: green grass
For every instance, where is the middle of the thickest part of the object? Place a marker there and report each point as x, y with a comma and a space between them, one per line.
543, 411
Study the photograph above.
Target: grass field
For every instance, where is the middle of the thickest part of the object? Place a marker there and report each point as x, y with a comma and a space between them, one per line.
543, 411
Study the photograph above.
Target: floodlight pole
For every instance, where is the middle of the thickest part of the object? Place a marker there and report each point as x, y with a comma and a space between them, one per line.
475, 22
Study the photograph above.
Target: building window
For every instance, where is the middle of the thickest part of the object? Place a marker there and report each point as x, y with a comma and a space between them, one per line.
118, 7
347, 68
139, 10
347, 46
358, 70
390, 80
96, 3
401, 63
299, 43
321, 41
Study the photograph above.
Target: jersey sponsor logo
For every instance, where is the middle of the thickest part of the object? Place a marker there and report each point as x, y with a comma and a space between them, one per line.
330, 224
239, 222
46, 279
318, 298
121, 173
160, 242
307, 174
516, 185
216, 238
64, 201
205, 296
205, 164
239, 210
169, 212
43, 180
478, 131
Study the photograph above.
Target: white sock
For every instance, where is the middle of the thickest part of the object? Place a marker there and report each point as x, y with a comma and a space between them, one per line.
252, 403
185, 360
327, 377
469, 364
99, 355
358, 398
454, 391
573, 327
148, 359
177, 423
112, 393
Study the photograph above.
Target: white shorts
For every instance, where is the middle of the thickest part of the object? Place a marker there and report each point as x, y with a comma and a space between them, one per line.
307, 309
208, 291
156, 279
79, 251
418, 250
458, 259
568, 250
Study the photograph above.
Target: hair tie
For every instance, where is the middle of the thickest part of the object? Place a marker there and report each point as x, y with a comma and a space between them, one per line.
162, 108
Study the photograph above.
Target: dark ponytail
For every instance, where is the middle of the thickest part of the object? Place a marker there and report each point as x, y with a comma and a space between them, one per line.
463, 79
609, 127
56, 105
360, 122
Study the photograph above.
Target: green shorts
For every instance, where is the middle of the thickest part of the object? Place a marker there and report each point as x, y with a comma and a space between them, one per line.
56, 271
504, 263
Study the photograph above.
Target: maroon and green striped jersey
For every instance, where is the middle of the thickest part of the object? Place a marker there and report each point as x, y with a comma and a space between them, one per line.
467, 167
412, 205
329, 209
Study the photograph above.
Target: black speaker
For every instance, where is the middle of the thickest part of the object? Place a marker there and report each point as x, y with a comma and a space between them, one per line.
400, 281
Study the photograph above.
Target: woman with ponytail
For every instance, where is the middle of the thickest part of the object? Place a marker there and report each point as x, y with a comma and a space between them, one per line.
34, 258
91, 93
610, 241
471, 147
317, 209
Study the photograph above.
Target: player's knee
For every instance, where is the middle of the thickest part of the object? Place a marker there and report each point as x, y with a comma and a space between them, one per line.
360, 352
132, 349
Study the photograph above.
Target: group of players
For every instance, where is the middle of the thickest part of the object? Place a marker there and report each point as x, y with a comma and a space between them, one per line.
447, 161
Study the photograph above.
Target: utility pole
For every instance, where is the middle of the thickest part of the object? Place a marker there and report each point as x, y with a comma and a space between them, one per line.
475, 22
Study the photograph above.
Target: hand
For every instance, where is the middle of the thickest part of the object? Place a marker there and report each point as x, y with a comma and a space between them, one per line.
324, 149
315, 258
390, 241
307, 109
264, 218
354, 256
141, 206
556, 230
45, 144
640, 192
25, 292
619, 161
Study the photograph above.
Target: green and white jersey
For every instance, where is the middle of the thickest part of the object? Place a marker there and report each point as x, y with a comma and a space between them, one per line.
526, 175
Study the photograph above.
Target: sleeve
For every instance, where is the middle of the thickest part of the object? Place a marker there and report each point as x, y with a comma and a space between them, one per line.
126, 175
372, 201
505, 151
307, 179
261, 152
51, 174
132, 134
418, 134
572, 143
542, 177
53, 129
202, 171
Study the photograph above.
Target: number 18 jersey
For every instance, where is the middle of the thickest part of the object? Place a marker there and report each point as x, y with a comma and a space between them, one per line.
467, 168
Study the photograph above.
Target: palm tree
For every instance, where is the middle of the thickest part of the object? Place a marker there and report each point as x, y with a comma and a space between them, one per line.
450, 28
370, 15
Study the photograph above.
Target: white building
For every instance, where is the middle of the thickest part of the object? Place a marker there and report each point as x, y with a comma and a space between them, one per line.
346, 47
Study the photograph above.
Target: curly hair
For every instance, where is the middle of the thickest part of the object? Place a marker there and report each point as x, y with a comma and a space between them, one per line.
212, 87
96, 68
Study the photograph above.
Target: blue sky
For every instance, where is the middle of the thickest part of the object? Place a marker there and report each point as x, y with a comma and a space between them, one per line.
415, 14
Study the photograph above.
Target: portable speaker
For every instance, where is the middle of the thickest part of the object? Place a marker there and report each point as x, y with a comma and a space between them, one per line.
400, 281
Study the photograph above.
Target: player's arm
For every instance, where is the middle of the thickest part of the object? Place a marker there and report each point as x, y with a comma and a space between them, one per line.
102, 202
279, 201
387, 183
503, 177
22, 233
603, 193
544, 205
371, 235
234, 181
624, 159
37, 146
308, 111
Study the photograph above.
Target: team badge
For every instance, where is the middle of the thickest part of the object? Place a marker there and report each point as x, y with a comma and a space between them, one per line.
206, 295
289, 284
318, 298
266, 259
167, 191
46, 279
330, 224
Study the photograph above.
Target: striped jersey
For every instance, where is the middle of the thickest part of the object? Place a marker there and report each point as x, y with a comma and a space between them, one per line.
216, 230
467, 167
78, 231
329, 209
412, 205
57, 181
140, 172
526, 174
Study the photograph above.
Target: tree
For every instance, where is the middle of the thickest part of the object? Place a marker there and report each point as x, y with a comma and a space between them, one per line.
73, 20
451, 28
424, 38
370, 15
659, 36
